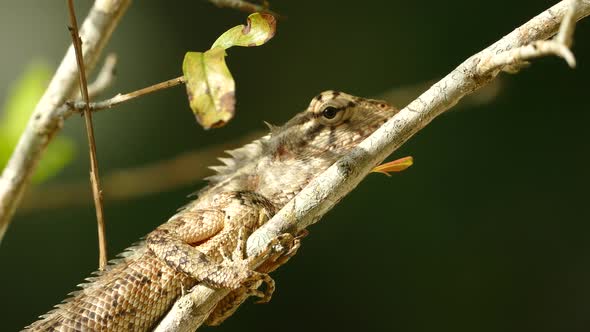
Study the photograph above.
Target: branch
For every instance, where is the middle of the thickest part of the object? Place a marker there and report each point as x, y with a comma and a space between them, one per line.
402, 96
326, 190
512, 59
105, 76
46, 121
104, 79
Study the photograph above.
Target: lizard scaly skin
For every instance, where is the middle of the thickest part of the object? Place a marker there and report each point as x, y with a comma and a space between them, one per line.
205, 241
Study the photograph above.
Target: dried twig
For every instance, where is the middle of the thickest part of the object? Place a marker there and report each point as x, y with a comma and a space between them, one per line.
47, 119
245, 6
70, 107
94, 177
325, 191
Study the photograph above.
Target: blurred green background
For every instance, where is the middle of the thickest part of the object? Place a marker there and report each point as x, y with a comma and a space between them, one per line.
488, 231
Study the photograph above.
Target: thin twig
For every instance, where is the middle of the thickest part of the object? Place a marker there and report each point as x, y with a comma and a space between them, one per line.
47, 118
69, 107
326, 190
245, 6
397, 96
94, 178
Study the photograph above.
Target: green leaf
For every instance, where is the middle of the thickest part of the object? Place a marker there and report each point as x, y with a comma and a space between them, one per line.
210, 87
259, 29
23, 96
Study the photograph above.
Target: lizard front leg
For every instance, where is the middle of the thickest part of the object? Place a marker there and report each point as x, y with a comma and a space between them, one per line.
197, 241
231, 302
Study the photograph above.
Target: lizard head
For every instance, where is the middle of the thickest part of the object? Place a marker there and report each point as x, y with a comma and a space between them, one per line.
333, 123
280, 164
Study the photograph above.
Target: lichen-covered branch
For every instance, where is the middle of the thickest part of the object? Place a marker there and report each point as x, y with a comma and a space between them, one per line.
46, 119
105, 76
326, 190
511, 59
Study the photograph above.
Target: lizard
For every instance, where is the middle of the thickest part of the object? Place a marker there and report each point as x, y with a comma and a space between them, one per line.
204, 242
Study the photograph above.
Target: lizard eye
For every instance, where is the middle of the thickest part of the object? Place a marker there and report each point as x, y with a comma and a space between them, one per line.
330, 112
332, 115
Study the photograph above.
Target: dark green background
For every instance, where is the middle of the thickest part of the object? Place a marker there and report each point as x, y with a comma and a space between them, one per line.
488, 231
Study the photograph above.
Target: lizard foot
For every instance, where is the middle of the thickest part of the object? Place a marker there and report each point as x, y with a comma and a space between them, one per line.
256, 280
238, 272
235, 271
277, 253
274, 250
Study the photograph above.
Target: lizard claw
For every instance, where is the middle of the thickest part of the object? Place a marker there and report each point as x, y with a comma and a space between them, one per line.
254, 281
277, 247
266, 295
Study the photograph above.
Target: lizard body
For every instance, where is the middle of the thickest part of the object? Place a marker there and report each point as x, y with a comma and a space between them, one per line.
205, 241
